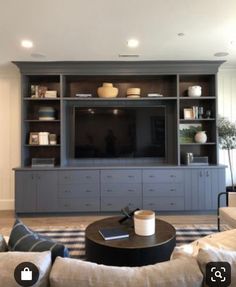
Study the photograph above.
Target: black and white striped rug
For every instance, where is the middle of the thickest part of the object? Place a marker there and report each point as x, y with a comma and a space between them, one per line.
73, 238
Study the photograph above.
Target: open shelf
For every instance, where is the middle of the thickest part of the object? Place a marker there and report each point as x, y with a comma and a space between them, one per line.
196, 120
42, 145
41, 99
44, 121
197, 98
207, 143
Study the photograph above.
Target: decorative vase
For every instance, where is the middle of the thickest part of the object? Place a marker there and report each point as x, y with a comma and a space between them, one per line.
194, 91
200, 137
107, 91
46, 114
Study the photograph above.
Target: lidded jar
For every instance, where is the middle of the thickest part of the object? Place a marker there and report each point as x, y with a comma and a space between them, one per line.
144, 222
107, 91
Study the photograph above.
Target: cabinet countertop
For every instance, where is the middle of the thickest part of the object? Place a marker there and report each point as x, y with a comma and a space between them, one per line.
112, 166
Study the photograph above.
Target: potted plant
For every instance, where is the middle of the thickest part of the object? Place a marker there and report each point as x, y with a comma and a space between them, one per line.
227, 140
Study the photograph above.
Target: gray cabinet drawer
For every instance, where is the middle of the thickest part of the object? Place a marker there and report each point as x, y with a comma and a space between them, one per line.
116, 204
121, 189
163, 189
78, 176
79, 205
121, 176
157, 175
163, 203
78, 190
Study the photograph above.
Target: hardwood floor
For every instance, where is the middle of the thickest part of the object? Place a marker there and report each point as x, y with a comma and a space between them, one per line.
7, 219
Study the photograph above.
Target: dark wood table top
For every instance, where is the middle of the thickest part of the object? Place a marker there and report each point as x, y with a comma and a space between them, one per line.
164, 233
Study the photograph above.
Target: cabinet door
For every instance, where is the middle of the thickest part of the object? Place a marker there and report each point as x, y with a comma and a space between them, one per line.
47, 197
25, 191
218, 185
202, 187
198, 189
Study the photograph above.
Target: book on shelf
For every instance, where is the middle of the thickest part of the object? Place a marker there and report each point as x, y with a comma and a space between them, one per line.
113, 233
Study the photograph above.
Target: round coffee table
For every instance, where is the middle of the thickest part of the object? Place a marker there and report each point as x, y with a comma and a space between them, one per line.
133, 251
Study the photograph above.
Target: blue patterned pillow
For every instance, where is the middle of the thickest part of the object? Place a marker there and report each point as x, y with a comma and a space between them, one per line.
23, 238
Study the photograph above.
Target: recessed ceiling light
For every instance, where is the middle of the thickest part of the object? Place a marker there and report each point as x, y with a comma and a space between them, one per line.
27, 44
181, 34
132, 43
221, 54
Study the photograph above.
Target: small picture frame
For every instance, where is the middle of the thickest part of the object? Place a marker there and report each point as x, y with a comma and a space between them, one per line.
188, 114
34, 138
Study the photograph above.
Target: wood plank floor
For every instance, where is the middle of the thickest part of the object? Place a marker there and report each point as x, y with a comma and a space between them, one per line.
7, 219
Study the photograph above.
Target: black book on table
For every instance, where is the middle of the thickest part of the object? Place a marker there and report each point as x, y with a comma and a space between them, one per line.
113, 233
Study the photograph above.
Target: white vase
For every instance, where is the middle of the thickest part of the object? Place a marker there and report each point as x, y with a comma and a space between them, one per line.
194, 91
200, 137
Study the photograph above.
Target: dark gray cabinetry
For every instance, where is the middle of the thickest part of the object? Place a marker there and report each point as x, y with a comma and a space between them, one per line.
163, 189
121, 188
202, 186
94, 184
36, 191
107, 190
79, 190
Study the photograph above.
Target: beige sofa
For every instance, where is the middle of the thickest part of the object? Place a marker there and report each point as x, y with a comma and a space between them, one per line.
186, 267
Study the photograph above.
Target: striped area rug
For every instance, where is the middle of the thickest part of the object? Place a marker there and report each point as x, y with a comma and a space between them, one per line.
73, 238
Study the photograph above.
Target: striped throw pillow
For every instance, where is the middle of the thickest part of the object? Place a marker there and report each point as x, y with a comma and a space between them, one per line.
22, 238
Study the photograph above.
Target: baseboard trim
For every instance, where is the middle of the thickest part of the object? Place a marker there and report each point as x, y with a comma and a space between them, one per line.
7, 204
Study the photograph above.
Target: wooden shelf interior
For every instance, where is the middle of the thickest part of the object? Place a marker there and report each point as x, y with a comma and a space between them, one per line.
32, 108
207, 82
199, 150
165, 85
41, 152
207, 105
50, 81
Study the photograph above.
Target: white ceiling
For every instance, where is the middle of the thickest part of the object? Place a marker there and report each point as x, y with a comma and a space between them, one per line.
69, 30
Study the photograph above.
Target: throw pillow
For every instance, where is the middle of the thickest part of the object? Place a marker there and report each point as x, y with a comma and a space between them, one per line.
24, 239
213, 255
9, 261
3, 244
175, 273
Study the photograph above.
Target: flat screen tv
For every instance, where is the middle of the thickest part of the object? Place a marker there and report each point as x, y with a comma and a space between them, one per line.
125, 132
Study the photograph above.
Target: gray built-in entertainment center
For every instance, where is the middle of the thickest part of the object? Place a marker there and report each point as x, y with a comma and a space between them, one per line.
107, 153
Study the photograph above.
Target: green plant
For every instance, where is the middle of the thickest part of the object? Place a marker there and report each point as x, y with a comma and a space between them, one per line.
227, 140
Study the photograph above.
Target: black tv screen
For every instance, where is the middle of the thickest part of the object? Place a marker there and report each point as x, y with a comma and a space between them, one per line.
119, 132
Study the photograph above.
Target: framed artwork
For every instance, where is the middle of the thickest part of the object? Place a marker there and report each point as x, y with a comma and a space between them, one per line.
188, 114
188, 131
34, 138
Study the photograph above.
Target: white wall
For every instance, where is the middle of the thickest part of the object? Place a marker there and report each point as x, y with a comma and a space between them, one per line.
227, 108
10, 125
9, 133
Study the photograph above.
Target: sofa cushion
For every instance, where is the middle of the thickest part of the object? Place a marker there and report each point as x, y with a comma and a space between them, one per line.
24, 239
228, 215
9, 261
72, 273
223, 240
3, 244
215, 254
